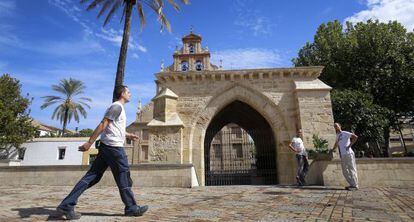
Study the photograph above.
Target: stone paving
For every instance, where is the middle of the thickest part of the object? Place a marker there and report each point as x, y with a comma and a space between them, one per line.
226, 203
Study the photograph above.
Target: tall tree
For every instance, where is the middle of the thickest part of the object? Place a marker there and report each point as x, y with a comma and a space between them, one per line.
127, 6
15, 122
68, 106
356, 112
372, 57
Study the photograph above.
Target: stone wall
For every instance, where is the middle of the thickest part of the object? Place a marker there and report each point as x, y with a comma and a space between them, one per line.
288, 98
142, 175
371, 172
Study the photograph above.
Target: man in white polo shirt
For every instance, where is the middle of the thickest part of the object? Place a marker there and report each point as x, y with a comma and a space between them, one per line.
345, 140
111, 154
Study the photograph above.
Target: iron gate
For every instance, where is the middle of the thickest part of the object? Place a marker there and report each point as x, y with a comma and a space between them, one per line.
235, 158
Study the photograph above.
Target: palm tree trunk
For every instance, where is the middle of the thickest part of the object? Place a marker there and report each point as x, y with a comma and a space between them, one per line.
65, 121
119, 79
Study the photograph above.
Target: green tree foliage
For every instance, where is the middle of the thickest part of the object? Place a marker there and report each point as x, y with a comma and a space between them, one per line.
15, 122
356, 112
86, 132
372, 57
69, 106
127, 7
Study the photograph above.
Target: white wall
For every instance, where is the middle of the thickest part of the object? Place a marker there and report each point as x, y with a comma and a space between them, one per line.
45, 151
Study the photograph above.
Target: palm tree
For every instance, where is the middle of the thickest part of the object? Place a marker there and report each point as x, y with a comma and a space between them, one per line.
68, 107
127, 6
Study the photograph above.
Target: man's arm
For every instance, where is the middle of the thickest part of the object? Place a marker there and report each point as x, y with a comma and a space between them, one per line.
131, 136
104, 123
335, 145
292, 148
353, 139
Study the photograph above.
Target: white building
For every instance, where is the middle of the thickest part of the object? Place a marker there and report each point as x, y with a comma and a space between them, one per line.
57, 151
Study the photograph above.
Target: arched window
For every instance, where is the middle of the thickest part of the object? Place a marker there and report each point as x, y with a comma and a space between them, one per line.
198, 65
184, 66
191, 48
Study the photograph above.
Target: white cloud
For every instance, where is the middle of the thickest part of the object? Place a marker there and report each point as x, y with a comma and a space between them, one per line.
111, 35
250, 58
144, 91
135, 56
7, 8
386, 10
252, 20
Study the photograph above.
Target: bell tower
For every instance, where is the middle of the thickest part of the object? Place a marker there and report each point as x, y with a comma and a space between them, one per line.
192, 56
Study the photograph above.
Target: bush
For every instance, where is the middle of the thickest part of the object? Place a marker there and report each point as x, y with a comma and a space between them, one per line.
397, 154
320, 144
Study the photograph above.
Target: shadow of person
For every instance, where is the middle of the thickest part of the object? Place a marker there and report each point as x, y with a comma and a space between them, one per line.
32, 211
52, 214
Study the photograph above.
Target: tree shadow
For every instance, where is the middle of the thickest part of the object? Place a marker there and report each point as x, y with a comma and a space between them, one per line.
53, 215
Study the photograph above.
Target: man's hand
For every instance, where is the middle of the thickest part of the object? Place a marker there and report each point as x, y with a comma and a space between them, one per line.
85, 147
133, 136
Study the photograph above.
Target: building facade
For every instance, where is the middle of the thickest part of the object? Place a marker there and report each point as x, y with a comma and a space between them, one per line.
195, 99
57, 151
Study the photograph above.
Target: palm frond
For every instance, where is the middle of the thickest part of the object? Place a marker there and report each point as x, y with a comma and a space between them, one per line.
93, 4
57, 109
84, 104
164, 22
175, 5
86, 98
59, 88
112, 11
141, 14
105, 7
82, 111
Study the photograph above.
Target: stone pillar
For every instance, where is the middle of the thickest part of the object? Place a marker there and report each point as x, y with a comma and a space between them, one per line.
315, 111
166, 129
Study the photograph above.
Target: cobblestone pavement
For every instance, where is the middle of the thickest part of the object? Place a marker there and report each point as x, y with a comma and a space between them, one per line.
226, 203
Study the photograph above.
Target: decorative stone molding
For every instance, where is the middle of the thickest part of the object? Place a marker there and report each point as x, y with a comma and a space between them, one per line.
311, 72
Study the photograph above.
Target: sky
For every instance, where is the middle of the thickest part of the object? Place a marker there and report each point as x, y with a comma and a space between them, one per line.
45, 41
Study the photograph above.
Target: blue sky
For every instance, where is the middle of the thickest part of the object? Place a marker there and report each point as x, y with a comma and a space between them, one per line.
44, 41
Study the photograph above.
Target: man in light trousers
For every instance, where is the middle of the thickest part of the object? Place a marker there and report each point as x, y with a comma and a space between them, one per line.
345, 140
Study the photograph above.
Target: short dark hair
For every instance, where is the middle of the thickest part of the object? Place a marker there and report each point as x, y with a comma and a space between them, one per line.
119, 90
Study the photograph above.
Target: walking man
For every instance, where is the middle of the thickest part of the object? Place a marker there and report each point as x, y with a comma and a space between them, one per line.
345, 140
297, 146
112, 154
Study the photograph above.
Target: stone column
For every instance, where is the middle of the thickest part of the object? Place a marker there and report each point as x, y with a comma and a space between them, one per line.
166, 137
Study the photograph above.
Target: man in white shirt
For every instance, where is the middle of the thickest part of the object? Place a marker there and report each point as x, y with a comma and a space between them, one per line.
345, 140
111, 154
297, 146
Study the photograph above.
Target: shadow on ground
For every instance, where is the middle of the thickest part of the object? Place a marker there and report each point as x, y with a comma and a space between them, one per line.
310, 187
53, 214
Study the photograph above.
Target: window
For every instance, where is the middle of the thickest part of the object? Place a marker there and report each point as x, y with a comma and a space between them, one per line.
144, 152
184, 66
92, 158
61, 153
191, 48
145, 135
199, 65
128, 141
236, 131
217, 150
238, 149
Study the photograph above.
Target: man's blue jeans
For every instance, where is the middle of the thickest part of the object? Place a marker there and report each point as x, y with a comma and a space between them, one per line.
303, 167
116, 159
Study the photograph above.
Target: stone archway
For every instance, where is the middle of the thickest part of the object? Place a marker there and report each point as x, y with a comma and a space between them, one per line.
254, 162
268, 111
